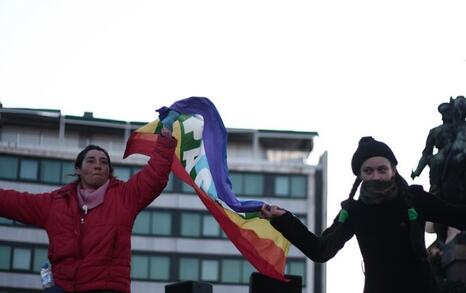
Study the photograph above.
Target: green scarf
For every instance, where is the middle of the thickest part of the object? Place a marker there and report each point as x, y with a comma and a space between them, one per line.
375, 192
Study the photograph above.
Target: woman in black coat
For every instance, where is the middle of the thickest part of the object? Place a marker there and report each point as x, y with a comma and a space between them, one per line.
388, 220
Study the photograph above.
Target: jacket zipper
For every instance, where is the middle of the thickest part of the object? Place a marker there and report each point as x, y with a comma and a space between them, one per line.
85, 213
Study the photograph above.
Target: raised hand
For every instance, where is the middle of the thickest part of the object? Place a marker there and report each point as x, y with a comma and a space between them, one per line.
271, 211
167, 123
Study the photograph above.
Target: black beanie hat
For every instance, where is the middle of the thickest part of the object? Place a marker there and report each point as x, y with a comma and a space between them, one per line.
369, 147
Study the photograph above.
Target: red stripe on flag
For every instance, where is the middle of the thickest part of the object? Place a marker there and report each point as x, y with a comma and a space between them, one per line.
140, 143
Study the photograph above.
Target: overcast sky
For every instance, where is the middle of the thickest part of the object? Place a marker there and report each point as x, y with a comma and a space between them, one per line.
344, 69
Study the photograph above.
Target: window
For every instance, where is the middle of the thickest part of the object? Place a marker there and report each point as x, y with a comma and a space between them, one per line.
236, 271
298, 186
8, 167
161, 223
247, 184
297, 267
122, 173
209, 270
290, 186
236, 183
50, 171
5, 257
40, 258
140, 267
159, 268
247, 270
68, 171
281, 185
210, 226
253, 184
28, 169
189, 269
170, 183
231, 271
190, 224
21, 258
142, 223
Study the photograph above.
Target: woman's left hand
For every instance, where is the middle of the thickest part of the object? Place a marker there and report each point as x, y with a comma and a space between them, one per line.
166, 132
271, 211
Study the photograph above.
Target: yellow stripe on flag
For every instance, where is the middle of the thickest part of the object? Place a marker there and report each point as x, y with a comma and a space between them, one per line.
262, 228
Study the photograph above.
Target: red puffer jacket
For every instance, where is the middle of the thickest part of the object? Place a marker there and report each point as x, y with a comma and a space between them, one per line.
92, 251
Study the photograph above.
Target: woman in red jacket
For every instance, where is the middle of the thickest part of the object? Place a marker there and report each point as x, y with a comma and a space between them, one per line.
89, 221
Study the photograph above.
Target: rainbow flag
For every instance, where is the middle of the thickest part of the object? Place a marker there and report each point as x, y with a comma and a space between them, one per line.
201, 161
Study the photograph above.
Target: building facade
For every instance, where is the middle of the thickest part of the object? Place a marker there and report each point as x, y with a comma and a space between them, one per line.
174, 238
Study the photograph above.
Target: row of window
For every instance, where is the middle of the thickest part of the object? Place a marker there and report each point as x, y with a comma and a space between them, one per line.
32, 169
154, 267
179, 223
170, 223
225, 270
61, 171
22, 258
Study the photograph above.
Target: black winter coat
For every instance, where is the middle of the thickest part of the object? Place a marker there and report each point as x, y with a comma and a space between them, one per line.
382, 231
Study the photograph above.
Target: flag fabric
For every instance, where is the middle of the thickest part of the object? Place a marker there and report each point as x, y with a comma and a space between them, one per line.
201, 162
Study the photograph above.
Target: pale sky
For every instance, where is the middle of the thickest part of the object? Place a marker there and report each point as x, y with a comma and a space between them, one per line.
342, 68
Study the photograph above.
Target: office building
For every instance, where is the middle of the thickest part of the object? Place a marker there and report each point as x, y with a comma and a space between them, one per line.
174, 238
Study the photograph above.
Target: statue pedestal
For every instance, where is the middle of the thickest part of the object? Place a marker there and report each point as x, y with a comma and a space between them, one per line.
454, 258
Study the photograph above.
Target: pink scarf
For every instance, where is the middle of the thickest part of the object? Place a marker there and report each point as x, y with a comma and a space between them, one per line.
90, 198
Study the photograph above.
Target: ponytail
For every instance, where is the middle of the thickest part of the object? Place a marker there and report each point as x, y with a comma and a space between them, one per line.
356, 183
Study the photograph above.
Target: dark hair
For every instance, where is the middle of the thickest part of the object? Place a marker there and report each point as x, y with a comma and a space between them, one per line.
356, 183
82, 154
